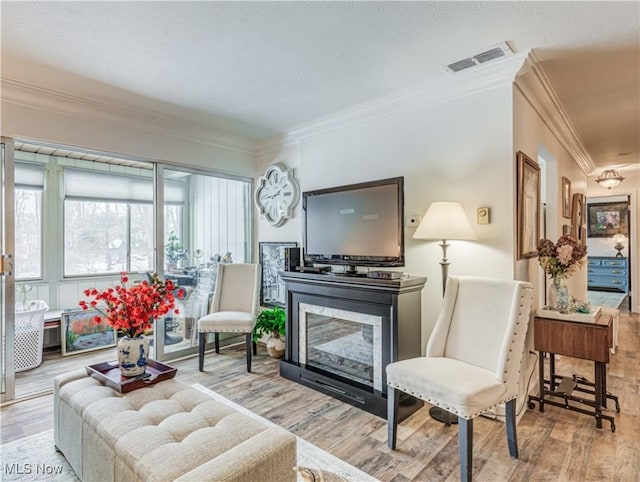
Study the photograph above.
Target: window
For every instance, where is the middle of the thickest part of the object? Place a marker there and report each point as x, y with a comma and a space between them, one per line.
108, 222
29, 185
218, 212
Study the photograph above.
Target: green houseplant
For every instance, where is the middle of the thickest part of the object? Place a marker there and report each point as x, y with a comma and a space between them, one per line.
173, 249
271, 321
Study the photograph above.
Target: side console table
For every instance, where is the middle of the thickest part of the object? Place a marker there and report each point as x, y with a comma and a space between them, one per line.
588, 341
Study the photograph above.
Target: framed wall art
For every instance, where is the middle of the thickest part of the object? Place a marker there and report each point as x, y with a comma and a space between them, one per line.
566, 197
81, 332
579, 218
528, 209
607, 219
272, 260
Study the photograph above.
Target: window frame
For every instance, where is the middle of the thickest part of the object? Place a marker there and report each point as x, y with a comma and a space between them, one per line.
127, 236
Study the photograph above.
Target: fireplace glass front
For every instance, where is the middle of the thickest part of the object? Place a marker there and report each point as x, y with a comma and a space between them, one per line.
340, 342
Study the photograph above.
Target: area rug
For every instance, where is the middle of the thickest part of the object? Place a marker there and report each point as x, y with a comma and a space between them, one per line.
606, 298
309, 455
34, 458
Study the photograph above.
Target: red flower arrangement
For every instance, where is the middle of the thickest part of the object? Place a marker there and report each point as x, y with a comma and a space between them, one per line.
132, 310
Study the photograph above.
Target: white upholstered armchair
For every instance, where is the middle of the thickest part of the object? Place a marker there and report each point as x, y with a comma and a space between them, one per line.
233, 308
472, 361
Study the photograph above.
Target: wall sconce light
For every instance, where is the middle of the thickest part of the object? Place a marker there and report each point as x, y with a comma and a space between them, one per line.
619, 239
609, 178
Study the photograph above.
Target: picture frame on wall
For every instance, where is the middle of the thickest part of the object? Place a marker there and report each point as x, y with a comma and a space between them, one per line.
607, 219
579, 217
566, 197
81, 332
272, 261
528, 206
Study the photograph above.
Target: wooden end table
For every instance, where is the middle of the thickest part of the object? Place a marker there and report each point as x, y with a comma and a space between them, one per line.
577, 339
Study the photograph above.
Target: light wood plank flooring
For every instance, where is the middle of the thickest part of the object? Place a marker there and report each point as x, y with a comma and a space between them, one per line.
558, 445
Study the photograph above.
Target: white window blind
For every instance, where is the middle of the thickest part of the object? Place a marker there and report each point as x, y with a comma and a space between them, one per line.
81, 184
29, 175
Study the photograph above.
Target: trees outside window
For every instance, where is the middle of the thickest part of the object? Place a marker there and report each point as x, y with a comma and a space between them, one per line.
28, 229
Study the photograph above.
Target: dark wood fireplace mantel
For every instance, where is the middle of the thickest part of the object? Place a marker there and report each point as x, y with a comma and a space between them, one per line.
397, 303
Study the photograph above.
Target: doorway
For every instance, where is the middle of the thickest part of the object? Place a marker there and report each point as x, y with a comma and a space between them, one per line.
610, 250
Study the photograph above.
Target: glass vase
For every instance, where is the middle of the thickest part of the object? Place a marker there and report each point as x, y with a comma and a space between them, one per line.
559, 299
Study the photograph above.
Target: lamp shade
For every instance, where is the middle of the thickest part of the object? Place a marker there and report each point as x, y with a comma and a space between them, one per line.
619, 238
444, 220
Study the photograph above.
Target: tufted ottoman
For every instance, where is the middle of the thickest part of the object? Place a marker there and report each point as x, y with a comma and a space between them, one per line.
166, 431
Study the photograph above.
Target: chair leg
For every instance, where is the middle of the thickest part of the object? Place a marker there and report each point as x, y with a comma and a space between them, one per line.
216, 342
202, 341
393, 399
255, 348
465, 446
510, 422
249, 350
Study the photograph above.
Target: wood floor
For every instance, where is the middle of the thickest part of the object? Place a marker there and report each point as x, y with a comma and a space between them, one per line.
557, 445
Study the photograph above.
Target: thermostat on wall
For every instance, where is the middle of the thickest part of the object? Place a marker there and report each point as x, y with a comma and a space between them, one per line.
483, 215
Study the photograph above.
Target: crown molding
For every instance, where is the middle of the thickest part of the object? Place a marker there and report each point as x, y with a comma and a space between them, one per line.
537, 90
28, 95
273, 145
451, 87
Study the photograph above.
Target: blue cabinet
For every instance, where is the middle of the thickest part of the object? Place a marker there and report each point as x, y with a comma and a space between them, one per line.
608, 272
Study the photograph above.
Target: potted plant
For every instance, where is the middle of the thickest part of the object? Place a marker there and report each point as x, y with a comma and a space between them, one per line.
271, 321
173, 250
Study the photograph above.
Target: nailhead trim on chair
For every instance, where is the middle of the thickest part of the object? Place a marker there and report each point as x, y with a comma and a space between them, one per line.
515, 332
456, 412
446, 407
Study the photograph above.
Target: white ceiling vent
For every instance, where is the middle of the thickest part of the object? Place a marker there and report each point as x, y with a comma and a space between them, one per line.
495, 52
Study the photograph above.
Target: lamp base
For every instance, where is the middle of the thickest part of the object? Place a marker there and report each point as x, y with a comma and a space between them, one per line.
443, 416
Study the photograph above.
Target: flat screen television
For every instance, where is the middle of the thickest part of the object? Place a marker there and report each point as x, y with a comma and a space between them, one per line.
355, 225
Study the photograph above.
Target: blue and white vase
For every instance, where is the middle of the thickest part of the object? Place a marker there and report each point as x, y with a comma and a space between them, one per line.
133, 354
559, 299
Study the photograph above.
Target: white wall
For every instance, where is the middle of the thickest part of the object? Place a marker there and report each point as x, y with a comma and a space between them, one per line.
78, 126
533, 136
459, 151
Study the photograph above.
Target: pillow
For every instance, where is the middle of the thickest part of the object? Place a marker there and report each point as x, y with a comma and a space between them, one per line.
316, 475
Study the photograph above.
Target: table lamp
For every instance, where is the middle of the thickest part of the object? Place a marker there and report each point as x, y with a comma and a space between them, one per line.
619, 239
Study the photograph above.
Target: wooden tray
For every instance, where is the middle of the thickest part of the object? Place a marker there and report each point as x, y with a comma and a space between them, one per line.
109, 374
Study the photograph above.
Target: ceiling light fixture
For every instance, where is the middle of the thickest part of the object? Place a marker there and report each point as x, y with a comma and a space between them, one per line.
609, 178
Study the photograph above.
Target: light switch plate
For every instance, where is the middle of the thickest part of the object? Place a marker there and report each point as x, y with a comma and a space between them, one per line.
483, 215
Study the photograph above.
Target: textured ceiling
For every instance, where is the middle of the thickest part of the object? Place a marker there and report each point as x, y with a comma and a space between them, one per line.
261, 68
